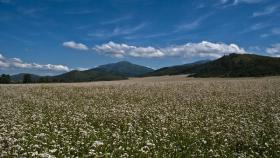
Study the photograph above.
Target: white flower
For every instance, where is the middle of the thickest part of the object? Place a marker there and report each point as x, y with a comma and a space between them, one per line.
97, 143
46, 155
53, 150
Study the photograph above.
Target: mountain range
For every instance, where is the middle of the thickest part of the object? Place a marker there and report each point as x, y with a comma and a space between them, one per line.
238, 65
174, 70
114, 71
233, 65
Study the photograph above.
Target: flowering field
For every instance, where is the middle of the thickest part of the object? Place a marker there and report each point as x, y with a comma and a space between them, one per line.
149, 118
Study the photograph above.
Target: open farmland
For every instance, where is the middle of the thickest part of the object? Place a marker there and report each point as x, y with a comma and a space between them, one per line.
148, 117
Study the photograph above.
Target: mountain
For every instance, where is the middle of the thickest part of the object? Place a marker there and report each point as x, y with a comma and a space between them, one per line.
95, 74
19, 77
114, 71
175, 70
233, 65
238, 65
125, 68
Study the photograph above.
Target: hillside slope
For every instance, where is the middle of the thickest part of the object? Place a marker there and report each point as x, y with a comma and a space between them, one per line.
95, 74
238, 65
175, 70
125, 68
114, 71
233, 65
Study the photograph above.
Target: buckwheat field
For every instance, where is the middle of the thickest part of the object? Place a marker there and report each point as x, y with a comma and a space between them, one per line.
162, 117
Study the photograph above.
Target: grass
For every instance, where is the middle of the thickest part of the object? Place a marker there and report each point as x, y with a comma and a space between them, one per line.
169, 117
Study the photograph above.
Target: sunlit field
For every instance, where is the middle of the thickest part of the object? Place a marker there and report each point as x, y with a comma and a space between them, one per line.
149, 117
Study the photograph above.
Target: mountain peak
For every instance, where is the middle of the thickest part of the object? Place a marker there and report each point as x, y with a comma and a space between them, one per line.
126, 68
123, 62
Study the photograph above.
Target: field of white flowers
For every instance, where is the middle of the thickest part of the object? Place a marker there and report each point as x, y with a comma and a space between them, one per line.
166, 118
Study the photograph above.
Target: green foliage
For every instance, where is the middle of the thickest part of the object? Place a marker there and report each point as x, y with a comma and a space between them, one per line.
27, 78
5, 79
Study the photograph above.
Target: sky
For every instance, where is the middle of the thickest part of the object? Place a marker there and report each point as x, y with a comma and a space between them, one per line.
49, 37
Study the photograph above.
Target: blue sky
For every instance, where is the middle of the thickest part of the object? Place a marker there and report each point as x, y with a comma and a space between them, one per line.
55, 36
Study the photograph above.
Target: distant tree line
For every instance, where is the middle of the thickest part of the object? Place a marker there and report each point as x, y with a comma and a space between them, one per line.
49, 80
27, 78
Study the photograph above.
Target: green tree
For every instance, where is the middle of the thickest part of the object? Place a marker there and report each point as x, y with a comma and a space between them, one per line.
27, 78
5, 79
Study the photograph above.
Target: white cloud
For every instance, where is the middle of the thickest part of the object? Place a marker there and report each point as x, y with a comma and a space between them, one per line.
6, 1
223, 1
258, 26
276, 31
146, 52
247, 1
16, 63
1, 56
255, 27
264, 35
117, 20
3, 64
274, 50
74, 45
229, 3
192, 25
189, 26
81, 68
124, 31
267, 11
121, 50
202, 49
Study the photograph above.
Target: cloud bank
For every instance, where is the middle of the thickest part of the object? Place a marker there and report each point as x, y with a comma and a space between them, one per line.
202, 49
274, 50
16, 63
74, 45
